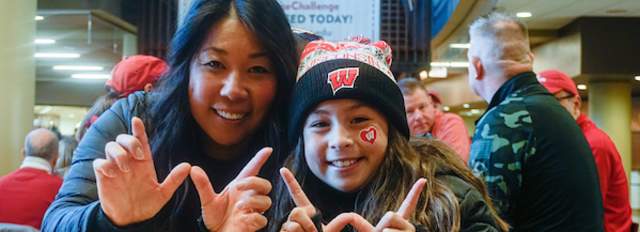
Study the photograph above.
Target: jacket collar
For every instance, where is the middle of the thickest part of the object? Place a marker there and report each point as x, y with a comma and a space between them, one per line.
513, 85
583, 120
37, 163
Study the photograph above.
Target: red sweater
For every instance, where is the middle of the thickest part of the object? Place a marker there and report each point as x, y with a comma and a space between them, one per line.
450, 128
613, 179
25, 195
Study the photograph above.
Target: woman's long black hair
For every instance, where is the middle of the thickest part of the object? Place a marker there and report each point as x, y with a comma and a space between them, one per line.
174, 133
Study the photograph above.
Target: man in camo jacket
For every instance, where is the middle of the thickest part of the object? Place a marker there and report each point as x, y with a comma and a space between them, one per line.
531, 154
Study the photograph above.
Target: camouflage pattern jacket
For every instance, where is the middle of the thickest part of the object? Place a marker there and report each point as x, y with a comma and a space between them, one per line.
535, 161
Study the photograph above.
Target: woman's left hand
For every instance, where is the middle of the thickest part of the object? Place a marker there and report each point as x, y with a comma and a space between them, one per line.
399, 221
240, 205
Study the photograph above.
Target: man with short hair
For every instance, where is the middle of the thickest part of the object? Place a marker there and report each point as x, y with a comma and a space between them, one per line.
533, 157
426, 119
25, 194
613, 179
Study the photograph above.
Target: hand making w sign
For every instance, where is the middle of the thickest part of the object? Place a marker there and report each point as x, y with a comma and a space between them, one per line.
300, 218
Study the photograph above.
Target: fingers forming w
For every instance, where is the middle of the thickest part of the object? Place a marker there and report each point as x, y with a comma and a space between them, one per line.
255, 164
409, 204
294, 188
138, 131
203, 185
175, 179
355, 220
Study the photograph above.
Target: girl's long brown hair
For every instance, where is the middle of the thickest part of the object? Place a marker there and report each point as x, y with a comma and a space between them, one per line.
404, 162
438, 158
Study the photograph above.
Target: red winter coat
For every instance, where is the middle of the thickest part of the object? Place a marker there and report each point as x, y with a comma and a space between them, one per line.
613, 179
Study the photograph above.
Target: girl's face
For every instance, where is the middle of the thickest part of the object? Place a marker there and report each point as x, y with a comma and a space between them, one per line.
232, 83
344, 143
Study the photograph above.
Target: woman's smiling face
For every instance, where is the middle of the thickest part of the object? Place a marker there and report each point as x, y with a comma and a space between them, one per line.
231, 84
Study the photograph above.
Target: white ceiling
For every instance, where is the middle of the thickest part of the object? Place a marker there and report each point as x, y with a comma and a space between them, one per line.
548, 15
99, 43
554, 14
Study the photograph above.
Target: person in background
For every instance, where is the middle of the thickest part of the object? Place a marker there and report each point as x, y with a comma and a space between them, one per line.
26, 193
66, 147
217, 117
426, 118
134, 73
533, 157
303, 37
614, 186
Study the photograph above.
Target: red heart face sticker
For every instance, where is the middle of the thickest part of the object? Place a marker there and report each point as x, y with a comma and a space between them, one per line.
369, 135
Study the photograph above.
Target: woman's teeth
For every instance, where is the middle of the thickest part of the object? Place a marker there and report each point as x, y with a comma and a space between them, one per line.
343, 163
229, 116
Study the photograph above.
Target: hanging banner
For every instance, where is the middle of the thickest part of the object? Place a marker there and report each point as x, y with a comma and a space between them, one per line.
335, 20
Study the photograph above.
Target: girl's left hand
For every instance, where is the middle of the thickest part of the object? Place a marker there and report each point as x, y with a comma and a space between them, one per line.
399, 221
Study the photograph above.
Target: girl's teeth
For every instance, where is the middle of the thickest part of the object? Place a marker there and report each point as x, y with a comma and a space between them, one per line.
343, 163
230, 116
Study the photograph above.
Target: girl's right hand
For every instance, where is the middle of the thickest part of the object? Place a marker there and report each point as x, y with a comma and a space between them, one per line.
300, 217
128, 187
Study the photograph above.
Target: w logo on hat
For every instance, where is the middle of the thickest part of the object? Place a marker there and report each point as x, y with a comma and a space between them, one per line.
343, 78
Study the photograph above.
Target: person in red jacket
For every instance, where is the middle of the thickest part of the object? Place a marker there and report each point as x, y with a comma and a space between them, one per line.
132, 74
26, 193
427, 120
613, 180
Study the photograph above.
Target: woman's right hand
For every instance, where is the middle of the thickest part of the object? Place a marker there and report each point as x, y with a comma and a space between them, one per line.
240, 206
128, 187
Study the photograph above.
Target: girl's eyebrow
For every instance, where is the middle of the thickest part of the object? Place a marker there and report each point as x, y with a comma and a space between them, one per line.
355, 106
352, 107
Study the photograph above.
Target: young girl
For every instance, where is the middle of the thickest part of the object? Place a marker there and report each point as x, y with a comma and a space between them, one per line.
353, 152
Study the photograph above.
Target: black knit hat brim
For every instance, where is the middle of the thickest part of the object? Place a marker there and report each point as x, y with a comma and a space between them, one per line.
372, 87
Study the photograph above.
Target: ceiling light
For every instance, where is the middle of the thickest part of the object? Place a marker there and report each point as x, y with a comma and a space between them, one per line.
460, 45
616, 11
582, 87
637, 78
93, 76
446, 108
44, 41
423, 74
438, 72
466, 106
459, 64
440, 64
454, 64
39, 17
46, 109
524, 14
57, 55
77, 68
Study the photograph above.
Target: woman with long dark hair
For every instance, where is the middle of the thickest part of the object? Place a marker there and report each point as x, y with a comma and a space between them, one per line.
231, 68
353, 154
